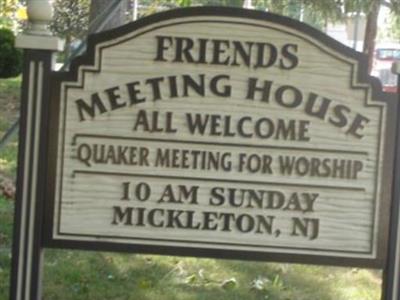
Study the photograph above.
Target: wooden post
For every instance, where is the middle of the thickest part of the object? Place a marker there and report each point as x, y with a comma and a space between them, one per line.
391, 276
39, 46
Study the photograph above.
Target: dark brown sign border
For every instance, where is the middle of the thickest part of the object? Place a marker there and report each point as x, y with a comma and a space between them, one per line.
88, 59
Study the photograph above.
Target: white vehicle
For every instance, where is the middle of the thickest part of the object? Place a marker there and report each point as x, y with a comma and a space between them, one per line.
384, 56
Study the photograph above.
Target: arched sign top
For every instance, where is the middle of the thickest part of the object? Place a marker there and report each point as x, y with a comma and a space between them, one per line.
235, 15
220, 132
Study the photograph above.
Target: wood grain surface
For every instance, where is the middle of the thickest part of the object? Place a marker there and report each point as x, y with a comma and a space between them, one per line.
162, 160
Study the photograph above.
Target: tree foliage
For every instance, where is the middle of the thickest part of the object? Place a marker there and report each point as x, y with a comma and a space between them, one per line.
10, 58
70, 20
8, 7
317, 12
7, 11
394, 32
371, 9
148, 7
100, 10
71, 16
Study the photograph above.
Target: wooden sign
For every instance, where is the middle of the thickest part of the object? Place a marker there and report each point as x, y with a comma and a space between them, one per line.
217, 133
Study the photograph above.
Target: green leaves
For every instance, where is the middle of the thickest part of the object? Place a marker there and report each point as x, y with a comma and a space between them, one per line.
8, 7
183, 3
71, 18
10, 57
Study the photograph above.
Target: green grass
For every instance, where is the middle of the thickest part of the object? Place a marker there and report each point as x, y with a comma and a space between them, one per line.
10, 87
6, 221
9, 101
80, 275
8, 159
9, 112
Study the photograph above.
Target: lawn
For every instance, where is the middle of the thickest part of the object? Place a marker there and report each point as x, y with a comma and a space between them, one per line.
9, 111
80, 275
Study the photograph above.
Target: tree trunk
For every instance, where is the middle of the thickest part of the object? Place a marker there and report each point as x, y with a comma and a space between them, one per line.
371, 30
67, 47
97, 7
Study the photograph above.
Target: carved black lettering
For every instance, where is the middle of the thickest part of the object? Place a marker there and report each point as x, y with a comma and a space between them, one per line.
226, 221
289, 58
245, 223
197, 123
197, 86
113, 97
266, 55
241, 126
173, 87
185, 194
339, 119
183, 50
141, 121
217, 198
358, 124
227, 127
122, 215
303, 131
215, 125
240, 51
286, 164
90, 110
163, 44
155, 87
357, 167
84, 154
125, 191
155, 221
286, 129
134, 93
264, 224
140, 214
202, 59
264, 128
288, 96
252, 88
162, 158
316, 108
155, 122
142, 191
220, 56
216, 89
174, 218
305, 227
208, 221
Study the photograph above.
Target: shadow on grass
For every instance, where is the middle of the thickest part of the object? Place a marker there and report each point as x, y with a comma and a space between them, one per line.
97, 275
6, 227
89, 275
92, 275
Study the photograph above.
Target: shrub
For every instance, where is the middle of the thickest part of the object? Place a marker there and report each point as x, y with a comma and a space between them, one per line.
10, 57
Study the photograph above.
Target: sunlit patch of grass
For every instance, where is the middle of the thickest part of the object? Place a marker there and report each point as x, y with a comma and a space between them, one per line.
365, 284
10, 87
8, 159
